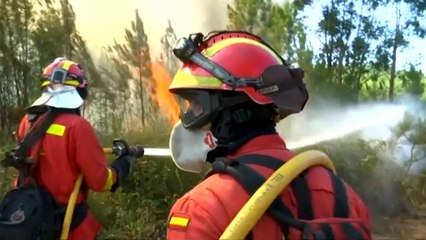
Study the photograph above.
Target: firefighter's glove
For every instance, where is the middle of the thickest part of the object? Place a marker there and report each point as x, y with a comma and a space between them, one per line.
122, 166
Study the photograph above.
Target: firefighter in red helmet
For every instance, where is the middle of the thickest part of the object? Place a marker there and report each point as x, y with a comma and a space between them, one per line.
70, 146
236, 88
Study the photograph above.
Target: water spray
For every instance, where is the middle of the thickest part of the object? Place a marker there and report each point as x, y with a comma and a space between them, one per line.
372, 121
364, 120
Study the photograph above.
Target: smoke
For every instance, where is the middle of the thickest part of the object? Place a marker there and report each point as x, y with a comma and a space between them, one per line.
100, 22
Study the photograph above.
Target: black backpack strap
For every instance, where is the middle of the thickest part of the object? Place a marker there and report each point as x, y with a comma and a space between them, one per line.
351, 232
19, 156
328, 231
299, 184
37, 131
341, 207
303, 197
252, 180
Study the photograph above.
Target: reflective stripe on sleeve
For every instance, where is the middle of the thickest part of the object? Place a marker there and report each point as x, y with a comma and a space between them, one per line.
110, 180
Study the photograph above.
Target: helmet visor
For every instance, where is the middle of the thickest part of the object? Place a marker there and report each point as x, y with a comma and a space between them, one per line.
200, 107
197, 108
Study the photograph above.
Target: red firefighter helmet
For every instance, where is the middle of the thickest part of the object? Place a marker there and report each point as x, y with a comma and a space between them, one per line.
242, 62
64, 71
64, 85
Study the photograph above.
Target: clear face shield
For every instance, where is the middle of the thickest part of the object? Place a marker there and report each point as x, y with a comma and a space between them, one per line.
199, 107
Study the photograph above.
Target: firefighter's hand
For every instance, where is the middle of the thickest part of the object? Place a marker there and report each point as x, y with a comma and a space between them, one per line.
122, 166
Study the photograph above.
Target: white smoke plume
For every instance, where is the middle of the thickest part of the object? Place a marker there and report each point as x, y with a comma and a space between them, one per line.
100, 21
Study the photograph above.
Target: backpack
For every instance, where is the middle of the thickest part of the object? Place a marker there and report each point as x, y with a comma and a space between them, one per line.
341, 226
29, 212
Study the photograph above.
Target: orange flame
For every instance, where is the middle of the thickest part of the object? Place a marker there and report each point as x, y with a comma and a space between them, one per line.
161, 95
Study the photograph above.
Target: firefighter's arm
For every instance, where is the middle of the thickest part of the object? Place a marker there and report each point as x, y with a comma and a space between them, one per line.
92, 161
190, 220
19, 135
22, 128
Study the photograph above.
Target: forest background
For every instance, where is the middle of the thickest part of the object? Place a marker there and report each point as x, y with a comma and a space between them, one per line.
366, 110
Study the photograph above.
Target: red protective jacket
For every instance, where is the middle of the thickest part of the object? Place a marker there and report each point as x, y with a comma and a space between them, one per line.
69, 148
206, 210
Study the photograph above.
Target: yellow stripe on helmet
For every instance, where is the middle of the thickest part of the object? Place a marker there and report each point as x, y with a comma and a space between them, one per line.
67, 64
74, 83
187, 80
56, 129
210, 51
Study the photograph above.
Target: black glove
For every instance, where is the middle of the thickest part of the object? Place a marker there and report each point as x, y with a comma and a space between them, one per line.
122, 166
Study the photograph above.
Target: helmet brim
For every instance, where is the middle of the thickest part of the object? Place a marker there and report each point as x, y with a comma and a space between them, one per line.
59, 97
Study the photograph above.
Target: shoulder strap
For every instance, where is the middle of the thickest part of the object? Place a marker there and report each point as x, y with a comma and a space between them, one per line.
301, 190
252, 180
36, 132
299, 184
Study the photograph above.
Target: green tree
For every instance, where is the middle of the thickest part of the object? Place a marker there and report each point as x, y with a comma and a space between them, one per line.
167, 57
347, 32
412, 81
249, 15
15, 60
112, 113
135, 52
280, 25
411, 135
408, 16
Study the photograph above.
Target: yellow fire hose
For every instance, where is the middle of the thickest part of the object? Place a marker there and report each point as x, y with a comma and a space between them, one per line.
71, 202
256, 206
70, 208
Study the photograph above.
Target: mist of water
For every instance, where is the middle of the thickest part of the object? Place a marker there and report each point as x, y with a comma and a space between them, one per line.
324, 124
370, 120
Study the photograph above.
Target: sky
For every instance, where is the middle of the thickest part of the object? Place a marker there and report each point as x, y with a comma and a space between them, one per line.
102, 21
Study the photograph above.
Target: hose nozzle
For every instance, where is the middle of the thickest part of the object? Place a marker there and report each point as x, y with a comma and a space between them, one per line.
122, 148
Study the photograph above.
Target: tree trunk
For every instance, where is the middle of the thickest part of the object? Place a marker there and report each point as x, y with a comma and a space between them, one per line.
394, 52
393, 73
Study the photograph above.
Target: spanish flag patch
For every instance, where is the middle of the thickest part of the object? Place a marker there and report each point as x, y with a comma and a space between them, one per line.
178, 221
